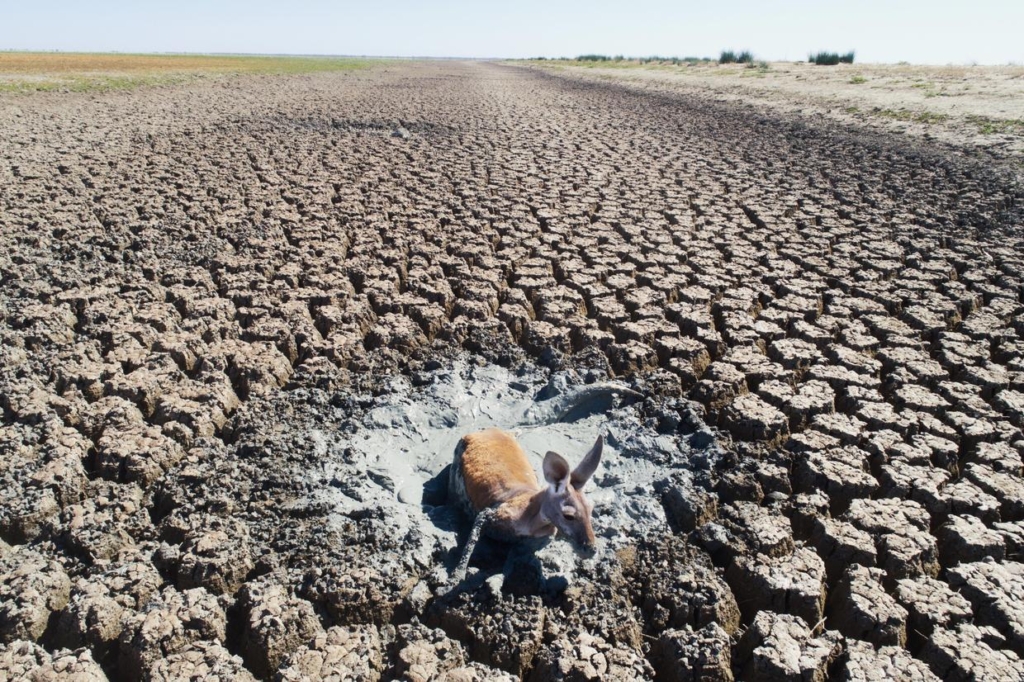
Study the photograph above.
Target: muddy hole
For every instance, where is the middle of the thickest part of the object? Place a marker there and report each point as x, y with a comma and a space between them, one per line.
395, 459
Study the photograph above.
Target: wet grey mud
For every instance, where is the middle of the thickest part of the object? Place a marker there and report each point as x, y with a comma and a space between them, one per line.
243, 325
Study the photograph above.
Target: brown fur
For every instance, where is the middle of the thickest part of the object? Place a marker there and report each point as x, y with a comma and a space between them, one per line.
493, 478
495, 474
495, 469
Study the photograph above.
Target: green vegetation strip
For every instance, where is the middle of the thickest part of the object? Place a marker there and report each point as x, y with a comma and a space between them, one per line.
1002, 126
912, 116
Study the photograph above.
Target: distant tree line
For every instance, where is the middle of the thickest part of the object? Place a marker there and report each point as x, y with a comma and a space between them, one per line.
726, 57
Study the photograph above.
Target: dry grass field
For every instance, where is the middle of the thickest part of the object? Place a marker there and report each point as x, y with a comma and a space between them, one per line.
44, 71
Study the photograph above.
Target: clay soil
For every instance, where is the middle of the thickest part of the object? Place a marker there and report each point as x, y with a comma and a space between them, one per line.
243, 323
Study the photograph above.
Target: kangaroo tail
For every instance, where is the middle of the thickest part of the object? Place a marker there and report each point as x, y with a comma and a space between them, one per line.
579, 399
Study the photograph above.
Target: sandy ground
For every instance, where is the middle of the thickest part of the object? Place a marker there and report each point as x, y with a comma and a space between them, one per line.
980, 106
244, 323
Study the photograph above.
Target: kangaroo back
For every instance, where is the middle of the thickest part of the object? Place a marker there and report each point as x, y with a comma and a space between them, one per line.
490, 468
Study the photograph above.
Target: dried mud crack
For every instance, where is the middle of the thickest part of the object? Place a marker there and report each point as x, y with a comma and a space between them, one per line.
242, 326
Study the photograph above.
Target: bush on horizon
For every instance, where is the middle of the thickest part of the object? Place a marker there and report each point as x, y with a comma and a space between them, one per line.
675, 61
730, 57
831, 58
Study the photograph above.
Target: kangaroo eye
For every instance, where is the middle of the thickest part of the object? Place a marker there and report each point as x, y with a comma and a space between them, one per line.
569, 512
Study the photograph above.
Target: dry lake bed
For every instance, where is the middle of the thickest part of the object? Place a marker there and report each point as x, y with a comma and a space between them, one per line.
248, 308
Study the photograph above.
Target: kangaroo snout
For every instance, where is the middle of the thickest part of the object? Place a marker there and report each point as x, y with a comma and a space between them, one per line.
586, 547
583, 540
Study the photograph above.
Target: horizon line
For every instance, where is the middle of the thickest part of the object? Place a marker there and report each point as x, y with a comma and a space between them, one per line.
321, 55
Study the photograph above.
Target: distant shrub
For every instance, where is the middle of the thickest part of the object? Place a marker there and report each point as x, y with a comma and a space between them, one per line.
730, 57
831, 58
675, 61
593, 58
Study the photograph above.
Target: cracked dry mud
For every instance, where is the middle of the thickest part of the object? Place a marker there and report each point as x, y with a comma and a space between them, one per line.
243, 325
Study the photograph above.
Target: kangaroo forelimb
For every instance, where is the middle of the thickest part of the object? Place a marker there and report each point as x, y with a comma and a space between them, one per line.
482, 519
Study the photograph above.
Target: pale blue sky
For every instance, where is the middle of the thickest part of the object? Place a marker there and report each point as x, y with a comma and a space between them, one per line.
938, 32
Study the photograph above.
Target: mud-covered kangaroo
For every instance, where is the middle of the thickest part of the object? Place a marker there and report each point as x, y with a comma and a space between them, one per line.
493, 480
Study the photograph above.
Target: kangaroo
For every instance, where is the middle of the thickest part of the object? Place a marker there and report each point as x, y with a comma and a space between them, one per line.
493, 480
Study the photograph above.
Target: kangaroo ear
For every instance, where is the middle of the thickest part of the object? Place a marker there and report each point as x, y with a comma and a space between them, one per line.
588, 465
556, 470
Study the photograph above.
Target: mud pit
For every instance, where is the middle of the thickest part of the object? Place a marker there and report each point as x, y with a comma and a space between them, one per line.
244, 324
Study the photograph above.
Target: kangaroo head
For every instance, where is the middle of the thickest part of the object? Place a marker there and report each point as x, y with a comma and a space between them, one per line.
564, 505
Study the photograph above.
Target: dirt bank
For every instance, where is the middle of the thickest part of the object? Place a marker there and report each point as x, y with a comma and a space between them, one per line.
979, 107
